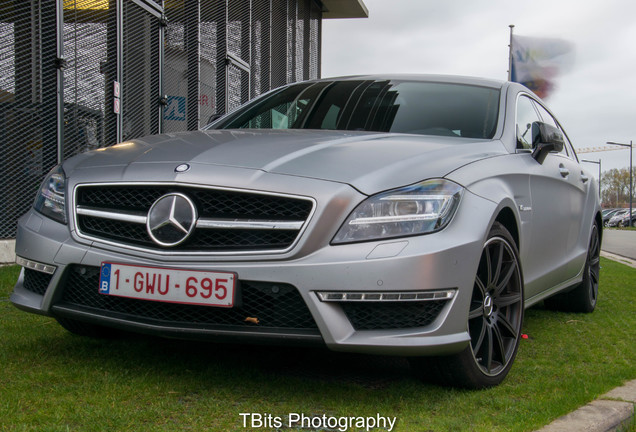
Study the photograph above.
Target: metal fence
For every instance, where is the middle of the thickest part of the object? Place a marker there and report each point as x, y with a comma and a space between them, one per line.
76, 75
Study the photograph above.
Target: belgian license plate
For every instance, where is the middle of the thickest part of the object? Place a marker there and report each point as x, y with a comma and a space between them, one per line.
207, 288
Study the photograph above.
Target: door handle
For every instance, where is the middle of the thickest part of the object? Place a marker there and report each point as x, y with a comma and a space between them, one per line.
564, 171
584, 177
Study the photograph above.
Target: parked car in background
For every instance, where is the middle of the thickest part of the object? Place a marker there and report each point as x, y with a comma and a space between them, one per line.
401, 215
617, 218
628, 219
607, 215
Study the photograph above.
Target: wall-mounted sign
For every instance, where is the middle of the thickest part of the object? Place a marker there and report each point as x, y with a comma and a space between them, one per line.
175, 108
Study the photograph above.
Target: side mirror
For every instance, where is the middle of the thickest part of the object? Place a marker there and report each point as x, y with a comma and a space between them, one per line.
545, 139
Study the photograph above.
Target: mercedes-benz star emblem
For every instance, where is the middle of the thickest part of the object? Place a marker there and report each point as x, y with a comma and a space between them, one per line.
182, 168
171, 219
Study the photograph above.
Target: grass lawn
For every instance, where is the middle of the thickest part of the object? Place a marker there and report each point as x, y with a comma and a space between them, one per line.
51, 380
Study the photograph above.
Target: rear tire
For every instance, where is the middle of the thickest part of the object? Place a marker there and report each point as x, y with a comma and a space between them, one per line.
583, 297
494, 321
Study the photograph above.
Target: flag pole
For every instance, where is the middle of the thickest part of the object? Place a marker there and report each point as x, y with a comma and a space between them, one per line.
510, 54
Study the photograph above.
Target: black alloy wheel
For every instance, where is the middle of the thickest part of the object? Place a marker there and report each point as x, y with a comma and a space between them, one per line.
593, 267
496, 311
494, 321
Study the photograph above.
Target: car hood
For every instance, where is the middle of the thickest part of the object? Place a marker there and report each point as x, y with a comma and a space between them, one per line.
368, 161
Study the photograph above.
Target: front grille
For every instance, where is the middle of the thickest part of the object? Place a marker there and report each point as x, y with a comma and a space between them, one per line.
211, 204
276, 306
393, 315
35, 281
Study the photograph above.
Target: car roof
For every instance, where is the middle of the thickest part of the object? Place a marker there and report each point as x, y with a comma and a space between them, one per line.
451, 79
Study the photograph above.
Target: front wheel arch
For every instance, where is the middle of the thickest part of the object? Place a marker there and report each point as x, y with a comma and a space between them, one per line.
506, 217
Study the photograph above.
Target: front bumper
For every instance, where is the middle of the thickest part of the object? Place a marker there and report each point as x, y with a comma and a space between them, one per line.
446, 260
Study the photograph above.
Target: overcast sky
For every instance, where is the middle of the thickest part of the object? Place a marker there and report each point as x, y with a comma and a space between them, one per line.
595, 101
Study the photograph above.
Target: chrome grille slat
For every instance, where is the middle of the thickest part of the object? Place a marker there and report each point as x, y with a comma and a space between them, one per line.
118, 216
249, 224
201, 223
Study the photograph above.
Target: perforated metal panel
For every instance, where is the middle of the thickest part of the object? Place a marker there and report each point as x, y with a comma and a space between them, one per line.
76, 75
85, 33
28, 109
175, 86
260, 61
315, 35
140, 78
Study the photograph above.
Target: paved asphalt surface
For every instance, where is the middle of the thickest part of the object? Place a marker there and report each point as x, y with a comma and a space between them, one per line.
620, 242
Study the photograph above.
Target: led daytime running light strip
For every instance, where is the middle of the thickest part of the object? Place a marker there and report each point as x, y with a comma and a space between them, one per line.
34, 265
407, 197
411, 296
395, 219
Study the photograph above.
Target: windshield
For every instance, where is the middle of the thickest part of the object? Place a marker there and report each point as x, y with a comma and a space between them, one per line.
426, 108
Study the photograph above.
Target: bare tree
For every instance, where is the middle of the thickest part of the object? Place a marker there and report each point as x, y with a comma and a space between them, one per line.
615, 187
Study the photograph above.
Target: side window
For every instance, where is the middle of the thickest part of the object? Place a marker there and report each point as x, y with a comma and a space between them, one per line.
331, 118
282, 116
526, 115
547, 118
278, 115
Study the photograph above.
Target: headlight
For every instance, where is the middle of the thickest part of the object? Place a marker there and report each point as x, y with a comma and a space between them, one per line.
51, 198
418, 209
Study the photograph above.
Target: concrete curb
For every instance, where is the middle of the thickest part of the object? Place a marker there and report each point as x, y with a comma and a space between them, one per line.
7, 251
605, 414
619, 258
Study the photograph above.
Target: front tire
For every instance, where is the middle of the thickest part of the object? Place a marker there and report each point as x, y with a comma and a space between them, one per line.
494, 320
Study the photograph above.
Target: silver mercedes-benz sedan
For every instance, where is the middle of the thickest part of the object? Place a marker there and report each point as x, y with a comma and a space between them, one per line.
406, 215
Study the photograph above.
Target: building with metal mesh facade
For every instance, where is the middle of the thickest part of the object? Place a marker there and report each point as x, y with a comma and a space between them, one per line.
77, 75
